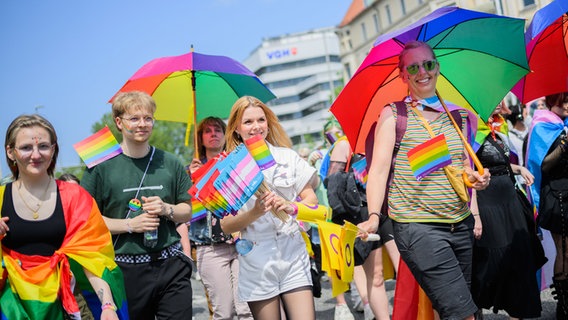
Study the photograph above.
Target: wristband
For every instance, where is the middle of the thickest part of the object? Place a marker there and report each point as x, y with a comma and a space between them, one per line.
375, 214
108, 305
171, 213
128, 225
475, 214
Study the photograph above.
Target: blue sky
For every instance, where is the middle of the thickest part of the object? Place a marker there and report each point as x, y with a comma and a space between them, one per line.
65, 59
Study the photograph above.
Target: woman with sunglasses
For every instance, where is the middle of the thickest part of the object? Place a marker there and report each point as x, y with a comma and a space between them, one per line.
547, 160
433, 227
274, 270
45, 225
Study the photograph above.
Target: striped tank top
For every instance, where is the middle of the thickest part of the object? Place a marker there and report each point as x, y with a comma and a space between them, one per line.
431, 199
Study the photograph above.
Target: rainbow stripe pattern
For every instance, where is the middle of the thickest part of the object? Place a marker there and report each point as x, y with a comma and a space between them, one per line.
260, 152
97, 148
37, 287
198, 210
429, 156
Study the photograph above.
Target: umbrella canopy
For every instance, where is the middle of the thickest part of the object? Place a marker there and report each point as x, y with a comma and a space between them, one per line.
481, 57
547, 51
190, 87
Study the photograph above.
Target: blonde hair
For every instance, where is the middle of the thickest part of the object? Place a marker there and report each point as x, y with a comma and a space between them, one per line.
132, 101
29, 121
276, 134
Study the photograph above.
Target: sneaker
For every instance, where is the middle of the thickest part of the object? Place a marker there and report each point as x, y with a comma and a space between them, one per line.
368, 313
197, 276
342, 312
324, 277
358, 306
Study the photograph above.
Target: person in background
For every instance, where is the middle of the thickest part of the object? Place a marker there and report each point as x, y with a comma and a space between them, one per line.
45, 224
217, 258
274, 271
504, 262
433, 226
547, 160
518, 131
142, 192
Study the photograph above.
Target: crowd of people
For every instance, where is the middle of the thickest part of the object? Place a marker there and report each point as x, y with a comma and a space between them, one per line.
117, 243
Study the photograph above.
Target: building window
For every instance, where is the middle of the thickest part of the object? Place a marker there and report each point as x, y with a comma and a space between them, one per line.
364, 31
347, 70
376, 22
528, 2
403, 7
389, 17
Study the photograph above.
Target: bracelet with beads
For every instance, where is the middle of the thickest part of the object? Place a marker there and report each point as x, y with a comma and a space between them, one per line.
108, 305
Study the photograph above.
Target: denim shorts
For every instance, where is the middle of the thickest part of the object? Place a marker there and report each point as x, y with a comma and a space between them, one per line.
439, 255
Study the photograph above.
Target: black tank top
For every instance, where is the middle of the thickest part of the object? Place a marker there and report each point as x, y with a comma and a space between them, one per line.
33, 237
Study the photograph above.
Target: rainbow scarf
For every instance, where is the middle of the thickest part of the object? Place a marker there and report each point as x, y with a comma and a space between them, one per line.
39, 287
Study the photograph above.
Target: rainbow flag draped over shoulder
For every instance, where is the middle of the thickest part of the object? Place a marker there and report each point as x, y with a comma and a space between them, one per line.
97, 148
545, 128
39, 287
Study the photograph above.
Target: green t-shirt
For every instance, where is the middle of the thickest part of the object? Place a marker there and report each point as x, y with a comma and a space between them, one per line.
116, 181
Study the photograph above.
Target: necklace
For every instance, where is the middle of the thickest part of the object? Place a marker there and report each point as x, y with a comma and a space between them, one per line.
35, 213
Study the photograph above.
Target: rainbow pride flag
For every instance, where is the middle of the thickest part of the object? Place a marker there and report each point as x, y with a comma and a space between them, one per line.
198, 210
429, 156
97, 148
260, 152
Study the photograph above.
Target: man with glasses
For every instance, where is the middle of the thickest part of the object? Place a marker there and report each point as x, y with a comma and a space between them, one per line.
140, 192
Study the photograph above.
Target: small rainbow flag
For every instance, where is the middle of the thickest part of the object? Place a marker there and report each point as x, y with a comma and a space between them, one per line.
429, 156
97, 148
198, 211
260, 152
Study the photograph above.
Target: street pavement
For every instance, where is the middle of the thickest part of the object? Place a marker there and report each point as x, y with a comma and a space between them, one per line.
325, 304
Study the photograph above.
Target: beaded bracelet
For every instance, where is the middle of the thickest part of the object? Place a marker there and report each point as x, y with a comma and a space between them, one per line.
108, 305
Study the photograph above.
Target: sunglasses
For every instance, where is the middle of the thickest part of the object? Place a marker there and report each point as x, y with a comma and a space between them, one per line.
427, 65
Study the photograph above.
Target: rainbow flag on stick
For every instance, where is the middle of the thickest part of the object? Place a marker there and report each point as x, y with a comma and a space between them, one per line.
97, 148
429, 157
260, 152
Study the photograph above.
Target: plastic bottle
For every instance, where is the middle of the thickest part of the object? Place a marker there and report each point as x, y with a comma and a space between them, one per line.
151, 238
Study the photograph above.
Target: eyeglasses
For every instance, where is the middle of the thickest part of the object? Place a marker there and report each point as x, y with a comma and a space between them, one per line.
427, 65
27, 150
136, 120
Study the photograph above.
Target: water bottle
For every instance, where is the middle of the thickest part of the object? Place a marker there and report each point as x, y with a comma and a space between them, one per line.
151, 238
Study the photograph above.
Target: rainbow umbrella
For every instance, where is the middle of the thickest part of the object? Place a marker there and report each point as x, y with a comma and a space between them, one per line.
190, 87
481, 57
547, 51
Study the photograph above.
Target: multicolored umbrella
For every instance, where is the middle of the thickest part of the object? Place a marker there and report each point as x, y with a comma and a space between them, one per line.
481, 57
193, 86
547, 51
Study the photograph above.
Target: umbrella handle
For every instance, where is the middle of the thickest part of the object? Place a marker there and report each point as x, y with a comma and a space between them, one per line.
468, 147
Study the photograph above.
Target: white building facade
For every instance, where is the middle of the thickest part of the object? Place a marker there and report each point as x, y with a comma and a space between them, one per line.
302, 70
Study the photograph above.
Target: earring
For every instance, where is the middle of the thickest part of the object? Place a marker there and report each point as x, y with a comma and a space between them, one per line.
14, 163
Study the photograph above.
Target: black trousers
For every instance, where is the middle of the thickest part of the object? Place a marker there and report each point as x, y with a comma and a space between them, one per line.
160, 289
